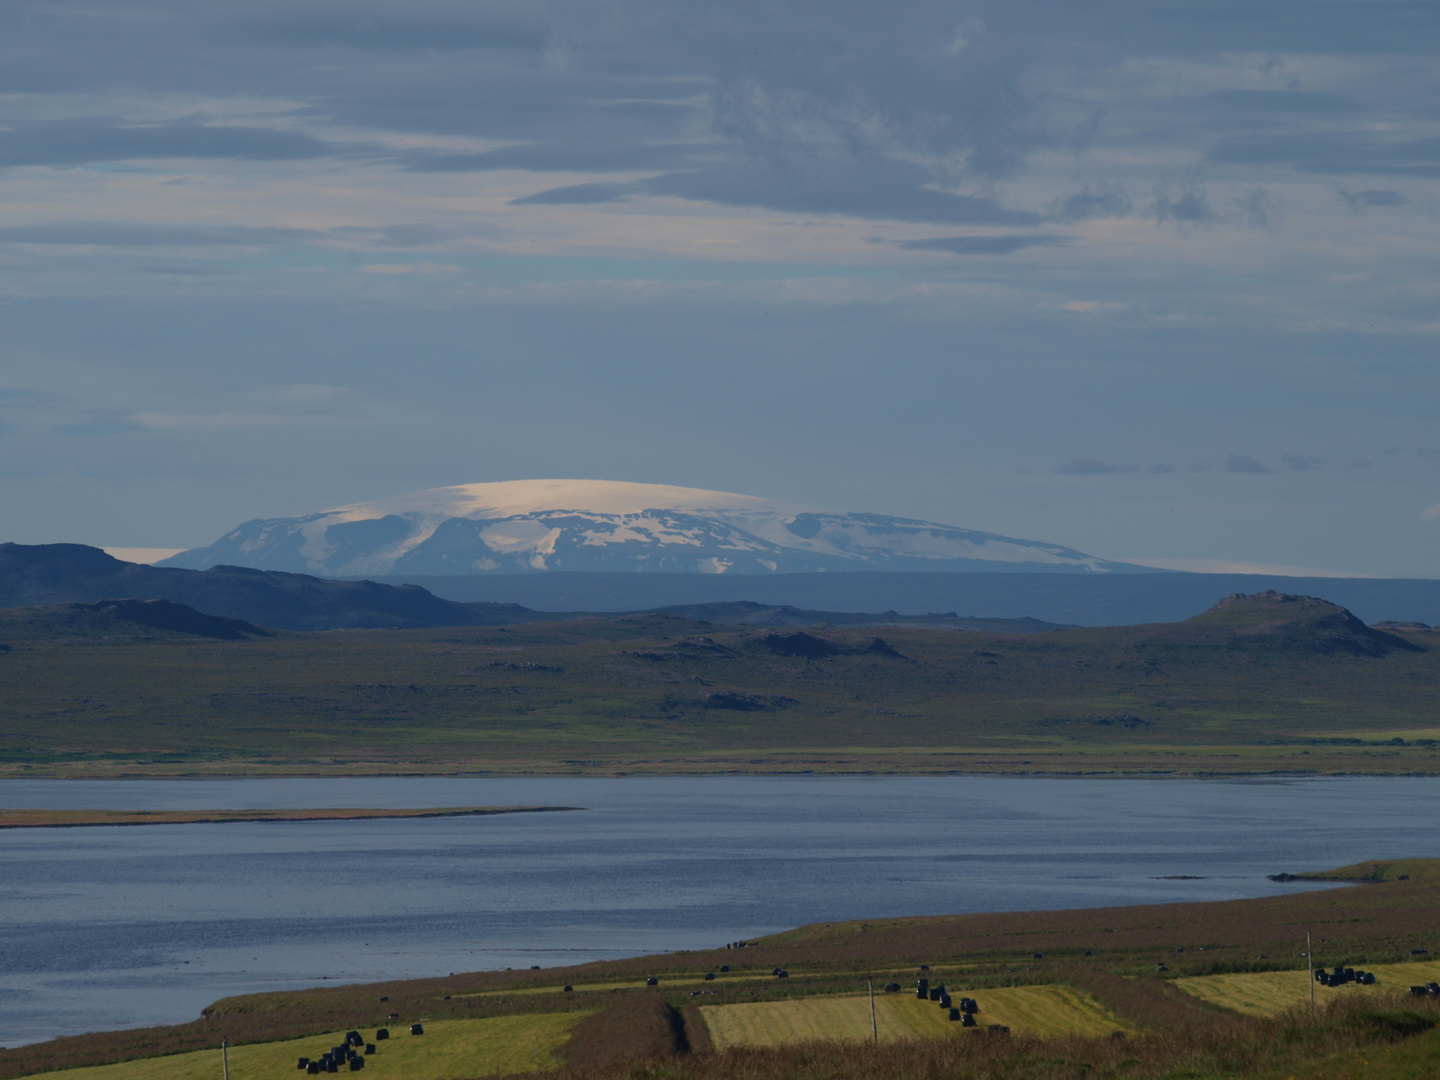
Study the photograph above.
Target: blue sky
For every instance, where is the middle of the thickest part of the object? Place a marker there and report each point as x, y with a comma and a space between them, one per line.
1149, 280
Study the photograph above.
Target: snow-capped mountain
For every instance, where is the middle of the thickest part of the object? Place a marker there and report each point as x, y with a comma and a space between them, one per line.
529, 526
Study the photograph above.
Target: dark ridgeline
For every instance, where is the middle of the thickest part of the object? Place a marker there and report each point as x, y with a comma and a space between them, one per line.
49, 574
33, 575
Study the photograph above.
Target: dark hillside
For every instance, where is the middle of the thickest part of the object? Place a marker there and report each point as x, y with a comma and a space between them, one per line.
46, 574
108, 620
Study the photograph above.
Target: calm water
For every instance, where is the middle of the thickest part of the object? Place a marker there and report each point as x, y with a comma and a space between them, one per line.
109, 927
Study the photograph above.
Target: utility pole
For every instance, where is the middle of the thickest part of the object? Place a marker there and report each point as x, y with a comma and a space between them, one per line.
874, 1027
1310, 962
225, 1057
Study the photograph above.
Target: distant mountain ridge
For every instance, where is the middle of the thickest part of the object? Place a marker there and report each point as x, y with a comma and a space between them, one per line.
49, 574
70, 590
534, 526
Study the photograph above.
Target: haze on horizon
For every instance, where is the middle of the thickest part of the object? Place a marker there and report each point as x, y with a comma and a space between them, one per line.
1156, 282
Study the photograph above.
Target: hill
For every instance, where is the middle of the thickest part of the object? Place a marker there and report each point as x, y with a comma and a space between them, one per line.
111, 620
46, 574
1258, 685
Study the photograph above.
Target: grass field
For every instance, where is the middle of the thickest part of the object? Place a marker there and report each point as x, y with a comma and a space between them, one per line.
449, 1048
1033, 1010
1266, 993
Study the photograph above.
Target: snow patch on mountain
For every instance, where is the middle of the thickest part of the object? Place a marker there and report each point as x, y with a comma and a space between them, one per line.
529, 526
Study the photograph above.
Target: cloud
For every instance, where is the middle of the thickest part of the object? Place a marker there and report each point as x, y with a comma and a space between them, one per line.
1302, 462
100, 425
127, 234
124, 234
863, 188
1091, 467
389, 27
570, 157
61, 143
1093, 306
880, 190
1359, 200
1189, 207
18, 398
1332, 152
412, 268
983, 245
1260, 209
1244, 463
228, 421
1105, 202
1431, 513
578, 195
1310, 102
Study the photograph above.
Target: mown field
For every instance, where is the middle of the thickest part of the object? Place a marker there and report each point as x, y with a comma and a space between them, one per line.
1301, 691
1064, 982
1029, 1010
1266, 993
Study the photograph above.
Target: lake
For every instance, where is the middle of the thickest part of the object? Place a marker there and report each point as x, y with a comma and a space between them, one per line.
103, 928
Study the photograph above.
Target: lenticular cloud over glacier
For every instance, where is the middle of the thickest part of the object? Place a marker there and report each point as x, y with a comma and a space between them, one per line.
531, 526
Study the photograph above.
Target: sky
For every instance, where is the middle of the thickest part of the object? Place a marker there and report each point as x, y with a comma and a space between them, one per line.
1151, 280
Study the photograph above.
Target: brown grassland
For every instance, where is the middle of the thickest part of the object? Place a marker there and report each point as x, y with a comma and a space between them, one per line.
635, 1031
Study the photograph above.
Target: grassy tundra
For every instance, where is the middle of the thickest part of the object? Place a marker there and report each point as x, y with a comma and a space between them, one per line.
1266, 684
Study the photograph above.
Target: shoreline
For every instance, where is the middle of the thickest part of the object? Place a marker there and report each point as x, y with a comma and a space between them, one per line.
80, 819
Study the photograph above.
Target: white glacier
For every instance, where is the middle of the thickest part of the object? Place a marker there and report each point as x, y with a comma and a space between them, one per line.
528, 526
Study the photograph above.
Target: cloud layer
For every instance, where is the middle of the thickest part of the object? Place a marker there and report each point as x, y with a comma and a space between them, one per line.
1052, 269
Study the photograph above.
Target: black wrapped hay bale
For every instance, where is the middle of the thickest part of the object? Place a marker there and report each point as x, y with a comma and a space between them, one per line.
382, 1033
417, 1029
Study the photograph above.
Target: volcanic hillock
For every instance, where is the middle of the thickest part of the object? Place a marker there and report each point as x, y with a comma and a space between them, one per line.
1293, 623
